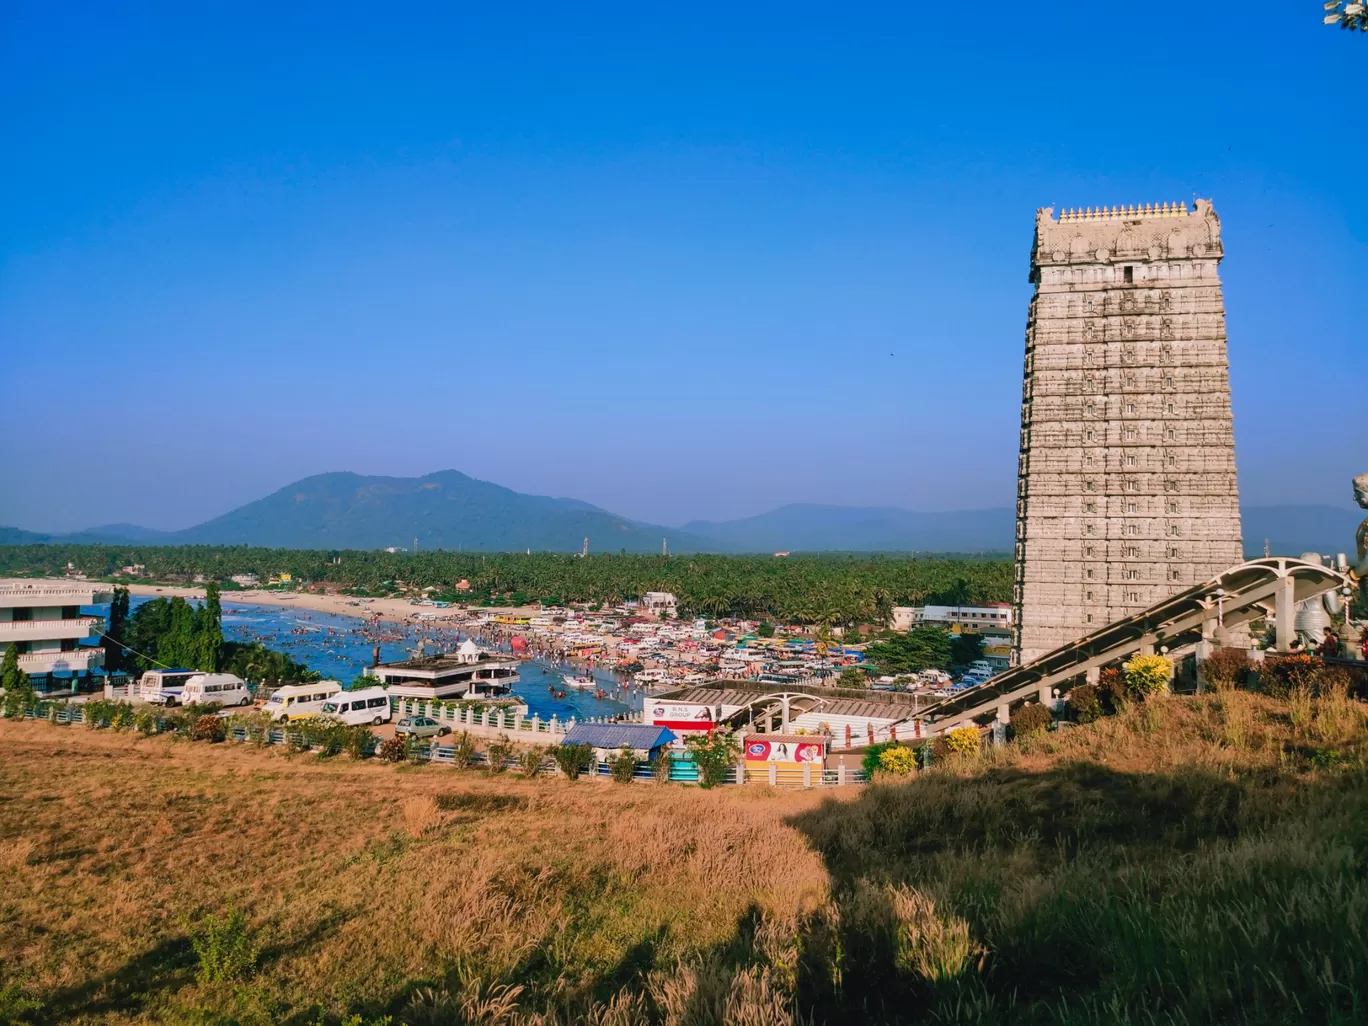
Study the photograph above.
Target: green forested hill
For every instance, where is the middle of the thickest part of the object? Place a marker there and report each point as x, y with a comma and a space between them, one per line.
445, 510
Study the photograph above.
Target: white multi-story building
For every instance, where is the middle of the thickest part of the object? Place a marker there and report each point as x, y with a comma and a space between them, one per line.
44, 619
660, 603
976, 618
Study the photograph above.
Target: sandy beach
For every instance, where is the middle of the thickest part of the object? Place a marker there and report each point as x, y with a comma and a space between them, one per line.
389, 609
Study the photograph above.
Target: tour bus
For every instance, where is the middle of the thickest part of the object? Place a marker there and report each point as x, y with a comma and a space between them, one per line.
368, 705
220, 688
164, 687
300, 701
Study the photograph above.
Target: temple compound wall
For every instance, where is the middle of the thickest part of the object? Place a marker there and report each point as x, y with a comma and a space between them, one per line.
1126, 488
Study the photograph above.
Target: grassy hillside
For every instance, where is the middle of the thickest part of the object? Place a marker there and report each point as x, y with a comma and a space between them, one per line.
1189, 860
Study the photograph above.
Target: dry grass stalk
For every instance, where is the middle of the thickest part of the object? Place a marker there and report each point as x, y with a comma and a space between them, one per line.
421, 815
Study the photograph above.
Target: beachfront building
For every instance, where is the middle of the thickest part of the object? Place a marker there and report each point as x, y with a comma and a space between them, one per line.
467, 673
994, 617
785, 710
608, 739
44, 619
904, 618
970, 618
660, 603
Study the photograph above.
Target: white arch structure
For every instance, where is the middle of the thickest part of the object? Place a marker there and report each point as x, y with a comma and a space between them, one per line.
786, 703
1199, 617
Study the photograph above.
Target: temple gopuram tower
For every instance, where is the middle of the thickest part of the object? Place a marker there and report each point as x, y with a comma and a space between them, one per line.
1126, 489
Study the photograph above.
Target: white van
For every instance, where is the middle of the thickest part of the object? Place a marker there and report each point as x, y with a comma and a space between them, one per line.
368, 705
300, 701
221, 688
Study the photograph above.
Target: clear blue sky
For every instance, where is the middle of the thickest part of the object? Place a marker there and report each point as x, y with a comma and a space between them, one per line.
679, 261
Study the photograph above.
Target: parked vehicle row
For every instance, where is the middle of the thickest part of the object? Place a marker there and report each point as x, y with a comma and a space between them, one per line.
326, 698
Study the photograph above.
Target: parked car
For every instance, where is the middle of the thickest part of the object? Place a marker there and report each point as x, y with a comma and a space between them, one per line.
420, 726
354, 708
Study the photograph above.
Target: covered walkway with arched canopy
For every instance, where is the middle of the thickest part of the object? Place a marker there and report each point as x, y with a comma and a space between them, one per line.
1198, 619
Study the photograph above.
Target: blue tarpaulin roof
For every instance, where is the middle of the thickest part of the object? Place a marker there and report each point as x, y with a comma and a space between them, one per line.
615, 735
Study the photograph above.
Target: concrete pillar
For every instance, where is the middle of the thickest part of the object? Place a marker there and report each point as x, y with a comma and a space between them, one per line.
1046, 697
1093, 675
1147, 645
841, 772
1286, 623
1004, 713
741, 768
773, 774
807, 774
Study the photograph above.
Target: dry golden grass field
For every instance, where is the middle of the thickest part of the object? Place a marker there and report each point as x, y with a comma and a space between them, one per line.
1199, 859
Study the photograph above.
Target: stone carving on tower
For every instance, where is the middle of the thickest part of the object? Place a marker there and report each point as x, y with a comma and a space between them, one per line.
1126, 487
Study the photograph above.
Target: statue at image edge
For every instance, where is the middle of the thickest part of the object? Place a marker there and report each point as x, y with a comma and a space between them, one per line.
1353, 629
1314, 615
1361, 535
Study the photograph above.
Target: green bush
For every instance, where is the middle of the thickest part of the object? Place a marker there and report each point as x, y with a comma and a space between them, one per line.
714, 754
1032, 718
16, 1006
1085, 704
623, 764
530, 761
224, 947
97, 712
964, 741
498, 753
19, 693
462, 749
661, 766
573, 758
1225, 668
1281, 676
870, 761
898, 761
392, 749
852, 677
358, 742
123, 716
208, 728
1147, 675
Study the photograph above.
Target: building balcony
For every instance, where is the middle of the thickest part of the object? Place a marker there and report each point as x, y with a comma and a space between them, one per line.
20, 593
49, 630
82, 660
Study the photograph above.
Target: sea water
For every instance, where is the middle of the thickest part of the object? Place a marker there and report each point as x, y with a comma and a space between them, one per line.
341, 648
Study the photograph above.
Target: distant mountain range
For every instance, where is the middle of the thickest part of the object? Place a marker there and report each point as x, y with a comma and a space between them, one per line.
450, 510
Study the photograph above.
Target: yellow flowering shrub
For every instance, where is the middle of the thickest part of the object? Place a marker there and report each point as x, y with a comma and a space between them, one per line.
964, 741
